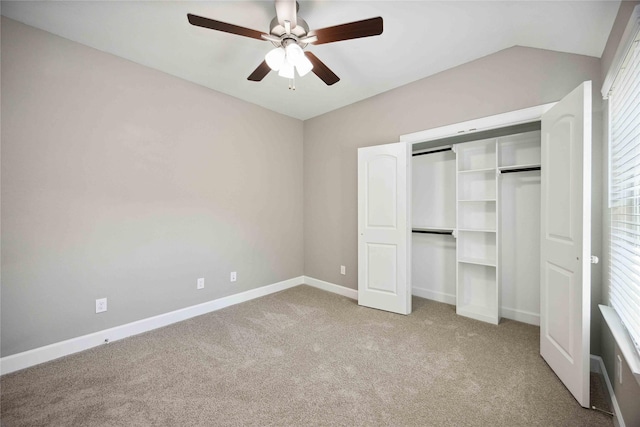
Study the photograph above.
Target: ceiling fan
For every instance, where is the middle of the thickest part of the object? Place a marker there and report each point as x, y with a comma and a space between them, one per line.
290, 35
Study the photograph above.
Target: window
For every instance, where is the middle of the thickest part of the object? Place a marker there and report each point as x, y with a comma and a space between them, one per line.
624, 191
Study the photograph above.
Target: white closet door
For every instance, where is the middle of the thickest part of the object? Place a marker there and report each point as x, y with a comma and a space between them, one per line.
384, 210
566, 240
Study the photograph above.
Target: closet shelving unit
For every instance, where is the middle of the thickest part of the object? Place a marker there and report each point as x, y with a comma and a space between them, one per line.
479, 165
477, 290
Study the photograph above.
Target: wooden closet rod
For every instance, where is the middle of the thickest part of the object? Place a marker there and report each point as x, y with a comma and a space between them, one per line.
432, 151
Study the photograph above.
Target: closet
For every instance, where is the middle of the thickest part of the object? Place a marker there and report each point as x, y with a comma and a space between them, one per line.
522, 236
476, 224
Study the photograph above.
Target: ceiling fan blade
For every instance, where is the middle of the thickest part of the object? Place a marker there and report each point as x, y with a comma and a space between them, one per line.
287, 10
309, 39
260, 72
321, 70
352, 30
271, 38
212, 24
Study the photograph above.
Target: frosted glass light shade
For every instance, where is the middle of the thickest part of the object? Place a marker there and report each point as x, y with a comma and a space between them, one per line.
275, 58
294, 53
286, 70
304, 66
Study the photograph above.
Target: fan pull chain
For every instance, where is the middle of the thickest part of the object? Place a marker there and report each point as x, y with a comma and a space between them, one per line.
292, 83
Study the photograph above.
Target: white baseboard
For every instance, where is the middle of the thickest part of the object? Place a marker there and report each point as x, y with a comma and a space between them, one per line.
331, 287
520, 315
597, 366
53, 351
506, 312
434, 295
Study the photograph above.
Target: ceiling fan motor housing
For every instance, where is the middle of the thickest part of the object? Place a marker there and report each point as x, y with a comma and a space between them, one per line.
297, 32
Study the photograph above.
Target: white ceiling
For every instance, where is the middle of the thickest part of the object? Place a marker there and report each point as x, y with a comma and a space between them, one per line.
420, 38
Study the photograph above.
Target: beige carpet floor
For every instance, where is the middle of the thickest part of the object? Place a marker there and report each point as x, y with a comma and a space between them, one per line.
303, 357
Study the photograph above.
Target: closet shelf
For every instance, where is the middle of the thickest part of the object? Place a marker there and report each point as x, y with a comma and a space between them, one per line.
476, 200
484, 170
477, 261
477, 230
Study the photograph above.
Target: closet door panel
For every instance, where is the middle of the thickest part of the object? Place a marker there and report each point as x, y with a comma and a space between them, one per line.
561, 146
384, 210
382, 190
566, 241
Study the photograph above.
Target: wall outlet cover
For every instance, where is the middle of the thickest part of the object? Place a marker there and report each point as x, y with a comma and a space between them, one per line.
234, 276
200, 284
343, 270
101, 305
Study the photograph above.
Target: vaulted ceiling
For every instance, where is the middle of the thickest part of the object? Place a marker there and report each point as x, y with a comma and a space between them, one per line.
420, 38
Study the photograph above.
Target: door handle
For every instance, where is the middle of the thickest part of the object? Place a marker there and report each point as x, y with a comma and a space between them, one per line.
594, 259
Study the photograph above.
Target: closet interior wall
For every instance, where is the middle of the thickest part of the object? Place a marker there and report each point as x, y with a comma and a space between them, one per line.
520, 228
434, 208
433, 256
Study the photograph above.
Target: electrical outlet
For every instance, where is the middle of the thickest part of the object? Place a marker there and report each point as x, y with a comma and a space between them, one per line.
200, 284
234, 276
101, 305
343, 270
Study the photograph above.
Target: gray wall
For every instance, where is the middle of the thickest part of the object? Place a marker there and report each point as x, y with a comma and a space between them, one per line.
627, 393
508, 80
124, 182
119, 181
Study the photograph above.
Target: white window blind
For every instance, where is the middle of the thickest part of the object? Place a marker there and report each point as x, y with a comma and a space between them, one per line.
624, 192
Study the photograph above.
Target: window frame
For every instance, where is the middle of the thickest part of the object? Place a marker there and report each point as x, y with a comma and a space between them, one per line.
629, 349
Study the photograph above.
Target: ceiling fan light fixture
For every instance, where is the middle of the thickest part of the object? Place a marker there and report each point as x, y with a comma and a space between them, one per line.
275, 58
294, 53
286, 70
304, 66
289, 33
